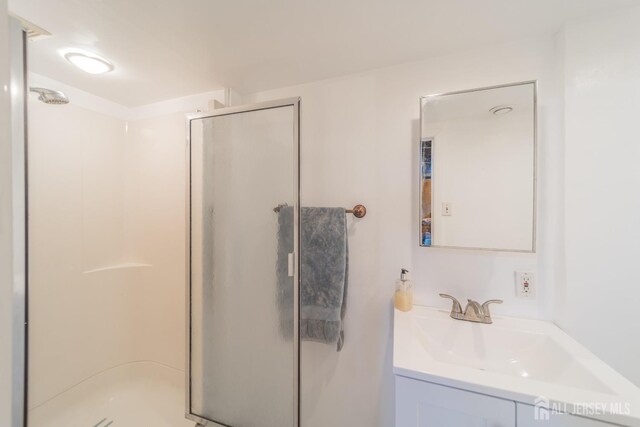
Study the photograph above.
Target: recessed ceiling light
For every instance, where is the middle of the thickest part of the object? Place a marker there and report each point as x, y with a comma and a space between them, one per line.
89, 62
501, 109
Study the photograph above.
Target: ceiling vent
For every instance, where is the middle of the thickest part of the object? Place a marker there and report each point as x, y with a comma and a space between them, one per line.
34, 32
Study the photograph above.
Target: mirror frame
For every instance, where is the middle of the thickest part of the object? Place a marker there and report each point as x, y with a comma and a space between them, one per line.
535, 166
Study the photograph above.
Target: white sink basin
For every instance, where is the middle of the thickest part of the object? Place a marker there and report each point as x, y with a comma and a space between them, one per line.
504, 349
517, 359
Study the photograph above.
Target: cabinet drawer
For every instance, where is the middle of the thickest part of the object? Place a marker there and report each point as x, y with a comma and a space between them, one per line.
424, 404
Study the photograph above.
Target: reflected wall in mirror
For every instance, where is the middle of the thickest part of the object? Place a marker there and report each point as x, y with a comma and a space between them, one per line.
477, 169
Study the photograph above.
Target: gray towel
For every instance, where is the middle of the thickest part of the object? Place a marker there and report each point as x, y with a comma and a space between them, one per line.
324, 273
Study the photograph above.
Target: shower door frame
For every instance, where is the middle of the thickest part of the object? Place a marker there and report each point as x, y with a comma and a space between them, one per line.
19, 220
268, 105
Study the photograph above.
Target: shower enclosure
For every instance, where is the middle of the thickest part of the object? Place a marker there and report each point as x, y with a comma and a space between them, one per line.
106, 263
242, 302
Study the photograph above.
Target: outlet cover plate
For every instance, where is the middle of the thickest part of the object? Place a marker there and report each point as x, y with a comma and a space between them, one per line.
525, 284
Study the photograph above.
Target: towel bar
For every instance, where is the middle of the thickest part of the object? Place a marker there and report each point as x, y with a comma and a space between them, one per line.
359, 211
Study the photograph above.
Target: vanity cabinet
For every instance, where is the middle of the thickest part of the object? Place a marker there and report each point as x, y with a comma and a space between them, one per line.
424, 404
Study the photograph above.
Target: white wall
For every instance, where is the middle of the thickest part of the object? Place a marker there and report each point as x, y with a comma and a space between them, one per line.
598, 300
360, 144
81, 296
155, 228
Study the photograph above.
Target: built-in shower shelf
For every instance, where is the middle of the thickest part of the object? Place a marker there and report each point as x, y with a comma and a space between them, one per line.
117, 267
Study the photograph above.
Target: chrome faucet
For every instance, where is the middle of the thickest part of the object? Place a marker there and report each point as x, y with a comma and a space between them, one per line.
473, 312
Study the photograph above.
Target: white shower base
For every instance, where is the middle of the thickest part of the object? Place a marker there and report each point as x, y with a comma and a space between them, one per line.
132, 395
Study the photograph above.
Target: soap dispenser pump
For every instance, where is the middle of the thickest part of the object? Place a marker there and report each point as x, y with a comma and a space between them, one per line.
403, 297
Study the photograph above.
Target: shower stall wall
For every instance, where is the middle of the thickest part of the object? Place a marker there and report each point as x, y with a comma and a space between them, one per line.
242, 302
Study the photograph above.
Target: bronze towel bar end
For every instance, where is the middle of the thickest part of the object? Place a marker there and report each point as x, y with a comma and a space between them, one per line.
359, 211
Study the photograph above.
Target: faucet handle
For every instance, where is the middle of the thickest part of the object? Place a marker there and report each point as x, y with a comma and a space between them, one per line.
485, 306
456, 308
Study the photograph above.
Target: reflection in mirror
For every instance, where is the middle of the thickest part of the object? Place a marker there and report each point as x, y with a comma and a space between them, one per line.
477, 169
425, 191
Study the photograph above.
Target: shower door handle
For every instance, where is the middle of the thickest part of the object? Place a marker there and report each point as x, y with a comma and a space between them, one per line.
291, 264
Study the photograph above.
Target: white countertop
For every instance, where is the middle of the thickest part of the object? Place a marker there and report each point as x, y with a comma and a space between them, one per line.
515, 359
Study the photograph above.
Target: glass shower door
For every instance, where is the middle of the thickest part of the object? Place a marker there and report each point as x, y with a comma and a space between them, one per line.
242, 317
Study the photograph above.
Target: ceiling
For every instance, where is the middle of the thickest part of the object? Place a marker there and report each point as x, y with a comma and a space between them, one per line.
164, 49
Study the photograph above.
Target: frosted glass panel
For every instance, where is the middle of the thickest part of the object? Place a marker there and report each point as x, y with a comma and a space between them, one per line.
243, 354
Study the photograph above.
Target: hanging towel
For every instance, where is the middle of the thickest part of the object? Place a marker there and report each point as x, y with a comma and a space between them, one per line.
324, 273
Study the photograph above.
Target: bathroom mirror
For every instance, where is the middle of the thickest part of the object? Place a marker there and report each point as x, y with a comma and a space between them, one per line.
477, 168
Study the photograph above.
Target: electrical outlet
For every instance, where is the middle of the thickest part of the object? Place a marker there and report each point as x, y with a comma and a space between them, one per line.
525, 284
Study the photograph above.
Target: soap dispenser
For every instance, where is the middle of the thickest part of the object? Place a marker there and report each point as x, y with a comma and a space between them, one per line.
403, 298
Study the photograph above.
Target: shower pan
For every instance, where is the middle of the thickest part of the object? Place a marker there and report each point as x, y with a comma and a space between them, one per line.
242, 301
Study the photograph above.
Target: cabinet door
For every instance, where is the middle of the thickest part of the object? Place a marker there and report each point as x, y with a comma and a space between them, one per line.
530, 416
423, 404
